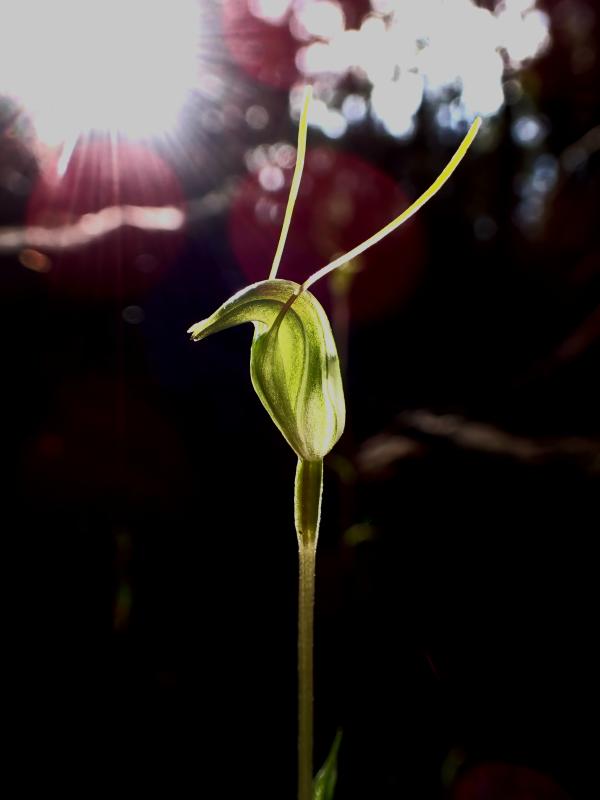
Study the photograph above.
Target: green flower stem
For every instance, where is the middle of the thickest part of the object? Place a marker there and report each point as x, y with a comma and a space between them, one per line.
306, 599
308, 491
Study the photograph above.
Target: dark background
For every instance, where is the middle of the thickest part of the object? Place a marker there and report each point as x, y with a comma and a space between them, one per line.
150, 554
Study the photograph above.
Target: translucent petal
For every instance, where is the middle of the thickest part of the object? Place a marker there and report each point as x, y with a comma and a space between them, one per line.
294, 363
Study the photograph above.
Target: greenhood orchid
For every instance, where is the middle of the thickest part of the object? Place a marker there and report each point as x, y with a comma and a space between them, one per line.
293, 360
295, 372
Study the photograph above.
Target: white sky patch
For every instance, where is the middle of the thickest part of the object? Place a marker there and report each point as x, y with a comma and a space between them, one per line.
421, 48
81, 65
273, 11
322, 18
354, 108
331, 122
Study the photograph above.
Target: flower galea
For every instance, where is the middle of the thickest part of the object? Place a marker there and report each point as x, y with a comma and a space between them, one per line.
294, 363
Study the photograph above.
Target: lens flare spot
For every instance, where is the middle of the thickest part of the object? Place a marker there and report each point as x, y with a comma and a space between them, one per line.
117, 202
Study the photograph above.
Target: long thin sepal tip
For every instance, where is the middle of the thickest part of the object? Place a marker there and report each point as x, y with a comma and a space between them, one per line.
301, 152
410, 211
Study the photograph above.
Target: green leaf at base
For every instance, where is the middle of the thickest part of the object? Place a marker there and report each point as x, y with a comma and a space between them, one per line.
325, 780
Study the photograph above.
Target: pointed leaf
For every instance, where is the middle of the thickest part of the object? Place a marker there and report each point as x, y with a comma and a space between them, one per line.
294, 363
324, 783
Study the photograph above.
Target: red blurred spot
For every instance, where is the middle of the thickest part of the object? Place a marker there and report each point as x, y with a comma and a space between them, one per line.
265, 50
342, 201
102, 174
109, 441
50, 447
506, 782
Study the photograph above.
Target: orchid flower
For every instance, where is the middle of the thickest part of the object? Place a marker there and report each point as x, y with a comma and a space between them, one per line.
295, 371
